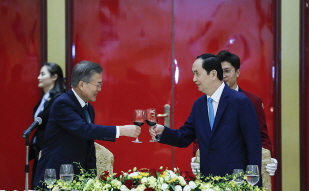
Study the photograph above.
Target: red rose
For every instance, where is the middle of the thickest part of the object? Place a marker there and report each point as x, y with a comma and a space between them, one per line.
118, 175
104, 175
188, 176
149, 189
128, 183
153, 172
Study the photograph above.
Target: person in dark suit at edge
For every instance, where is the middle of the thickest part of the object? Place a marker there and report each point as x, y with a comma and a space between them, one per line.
71, 131
51, 81
232, 140
231, 70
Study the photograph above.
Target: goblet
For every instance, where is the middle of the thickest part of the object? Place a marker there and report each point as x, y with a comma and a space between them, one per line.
252, 174
66, 172
50, 177
238, 176
151, 119
138, 119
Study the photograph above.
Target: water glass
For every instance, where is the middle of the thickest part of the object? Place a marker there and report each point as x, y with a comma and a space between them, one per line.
66, 172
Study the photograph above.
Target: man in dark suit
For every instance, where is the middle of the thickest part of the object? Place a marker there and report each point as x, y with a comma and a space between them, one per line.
233, 140
231, 70
71, 131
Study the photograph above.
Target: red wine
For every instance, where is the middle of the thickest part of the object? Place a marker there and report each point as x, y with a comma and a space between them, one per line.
151, 123
138, 123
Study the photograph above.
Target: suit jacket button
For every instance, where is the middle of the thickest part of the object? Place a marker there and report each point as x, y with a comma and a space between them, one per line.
210, 151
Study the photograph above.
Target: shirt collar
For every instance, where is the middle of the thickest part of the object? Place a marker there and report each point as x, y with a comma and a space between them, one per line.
46, 95
217, 94
237, 88
81, 102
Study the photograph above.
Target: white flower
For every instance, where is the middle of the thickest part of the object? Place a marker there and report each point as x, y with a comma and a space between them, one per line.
89, 184
140, 187
187, 188
116, 183
164, 186
178, 188
133, 174
124, 188
152, 181
144, 180
171, 174
160, 180
167, 178
192, 185
182, 181
97, 184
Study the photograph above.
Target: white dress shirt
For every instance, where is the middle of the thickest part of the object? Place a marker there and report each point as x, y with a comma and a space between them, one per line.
216, 98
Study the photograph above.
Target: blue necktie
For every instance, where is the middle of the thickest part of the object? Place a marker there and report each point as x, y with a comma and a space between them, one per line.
87, 113
210, 113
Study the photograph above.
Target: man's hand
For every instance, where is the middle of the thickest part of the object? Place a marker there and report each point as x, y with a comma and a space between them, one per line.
195, 166
272, 167
130, 130
156, 130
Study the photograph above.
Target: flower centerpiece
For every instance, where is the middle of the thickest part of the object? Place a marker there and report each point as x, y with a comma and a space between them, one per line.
145, 179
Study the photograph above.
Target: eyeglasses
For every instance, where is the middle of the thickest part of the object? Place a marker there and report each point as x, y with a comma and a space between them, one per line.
227, 72
97, 85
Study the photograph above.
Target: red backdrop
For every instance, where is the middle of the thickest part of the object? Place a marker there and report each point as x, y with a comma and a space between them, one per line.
19, 68
146, 49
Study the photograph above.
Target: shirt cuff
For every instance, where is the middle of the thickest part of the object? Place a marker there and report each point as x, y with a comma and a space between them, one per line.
117, 132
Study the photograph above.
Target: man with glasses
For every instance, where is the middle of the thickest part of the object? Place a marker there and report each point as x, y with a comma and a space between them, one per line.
70, 131
231, 70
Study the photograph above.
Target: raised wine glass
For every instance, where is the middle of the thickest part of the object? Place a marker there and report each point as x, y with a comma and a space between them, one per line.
66, 172
238, 176
138, 119
50, 177
252, 174
151, 119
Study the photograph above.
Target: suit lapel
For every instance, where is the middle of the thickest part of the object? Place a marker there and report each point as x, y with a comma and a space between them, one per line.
77, 104
204, 114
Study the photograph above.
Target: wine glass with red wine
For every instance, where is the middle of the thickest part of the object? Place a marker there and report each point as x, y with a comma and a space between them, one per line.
151, 119
138, 119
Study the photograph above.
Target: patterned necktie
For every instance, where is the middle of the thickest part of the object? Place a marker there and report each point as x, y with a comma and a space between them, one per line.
87, 113
210, 113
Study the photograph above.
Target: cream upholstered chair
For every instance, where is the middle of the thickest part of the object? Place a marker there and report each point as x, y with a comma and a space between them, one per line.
105, 159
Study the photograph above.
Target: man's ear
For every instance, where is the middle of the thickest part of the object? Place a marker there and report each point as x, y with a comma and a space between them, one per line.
81, 85
214, 74
237, 73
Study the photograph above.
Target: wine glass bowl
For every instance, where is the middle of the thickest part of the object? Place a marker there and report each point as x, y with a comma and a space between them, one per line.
238, 176
252, 174
138, 119
50, 177
66, 172
151, 116
151, 119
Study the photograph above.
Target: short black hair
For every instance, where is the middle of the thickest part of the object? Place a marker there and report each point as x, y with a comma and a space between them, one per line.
225, 55
211, 62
